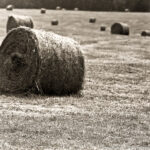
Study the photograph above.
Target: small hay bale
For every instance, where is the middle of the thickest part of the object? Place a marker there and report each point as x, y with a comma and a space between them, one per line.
126, 10
15, 21
145, 33
76, 9
103, 28
54, 22
9, 7
34, 59
120, 28
43, 10
92, 20
58, 8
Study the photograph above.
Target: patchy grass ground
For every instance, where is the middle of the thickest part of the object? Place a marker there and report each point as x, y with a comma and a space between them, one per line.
113, 111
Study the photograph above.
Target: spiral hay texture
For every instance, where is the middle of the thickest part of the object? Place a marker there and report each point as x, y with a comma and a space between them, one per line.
120, 28
9, 7
15, 21
32, 59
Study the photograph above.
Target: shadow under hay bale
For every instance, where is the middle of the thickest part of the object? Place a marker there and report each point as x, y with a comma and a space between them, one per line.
34, 59
10, 7
92, 20
103, 28
54, 22
43, 10
120, 28
15, 21
145, 33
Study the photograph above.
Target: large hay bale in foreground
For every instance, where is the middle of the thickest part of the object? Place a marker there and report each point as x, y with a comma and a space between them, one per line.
145, 33
92, 20
32, 58
9, 7
120, 28
15, 21
43, 10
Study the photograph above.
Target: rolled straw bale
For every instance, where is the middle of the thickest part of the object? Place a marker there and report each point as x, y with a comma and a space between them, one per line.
54, 22
34, 59
76, 9
92, 20
145, 33
103, 28
58, 8
43, 10
9, 7
120, 28
15, 21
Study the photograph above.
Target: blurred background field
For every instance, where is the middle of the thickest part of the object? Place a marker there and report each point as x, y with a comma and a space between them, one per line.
112, 111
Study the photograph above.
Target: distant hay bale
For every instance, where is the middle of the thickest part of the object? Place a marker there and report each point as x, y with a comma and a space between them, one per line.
15, 21
103, 28
92, 20
126, 10
145, 33
43, 10
76, 9
9, 7
58, 8
120, 28
34, 59
54, 22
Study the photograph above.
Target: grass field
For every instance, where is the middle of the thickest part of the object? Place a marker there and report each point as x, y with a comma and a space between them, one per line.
113, 110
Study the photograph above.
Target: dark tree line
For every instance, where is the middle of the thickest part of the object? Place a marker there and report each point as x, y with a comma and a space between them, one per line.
95, 5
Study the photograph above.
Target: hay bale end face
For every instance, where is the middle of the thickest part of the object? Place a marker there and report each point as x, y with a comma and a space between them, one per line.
103, 28
92, 20
43, 10
10, 7
120, 28
15, 21
54, 22
145, 33
34, 59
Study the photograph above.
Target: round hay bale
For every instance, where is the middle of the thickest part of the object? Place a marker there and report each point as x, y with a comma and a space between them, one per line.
76, 9
34, 59
120, 28
92, 20
103, 28
9, 7
58, 8
126, 10
54, 22
145, 33
43, 10
15, 21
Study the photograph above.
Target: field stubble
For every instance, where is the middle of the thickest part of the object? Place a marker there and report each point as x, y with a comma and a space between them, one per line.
113, 109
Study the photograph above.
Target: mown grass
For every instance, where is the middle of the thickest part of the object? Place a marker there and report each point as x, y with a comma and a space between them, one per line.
113, 109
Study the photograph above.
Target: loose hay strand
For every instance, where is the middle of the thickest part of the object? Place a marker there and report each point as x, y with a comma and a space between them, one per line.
53, 62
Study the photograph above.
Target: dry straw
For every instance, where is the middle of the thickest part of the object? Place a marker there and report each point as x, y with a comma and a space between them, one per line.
32, 59
43, 10
15, 21
145, 33
120, 28
9, 7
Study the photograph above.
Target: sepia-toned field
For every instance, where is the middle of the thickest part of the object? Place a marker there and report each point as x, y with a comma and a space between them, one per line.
113, 110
